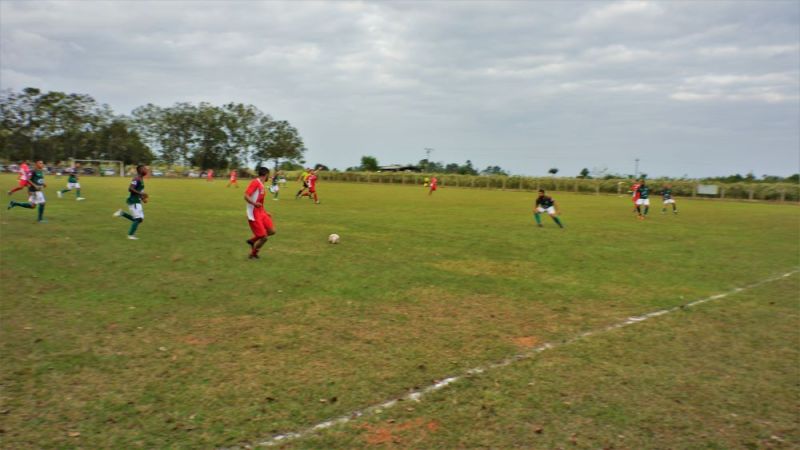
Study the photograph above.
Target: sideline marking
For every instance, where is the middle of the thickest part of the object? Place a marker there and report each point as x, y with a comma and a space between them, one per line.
417, 394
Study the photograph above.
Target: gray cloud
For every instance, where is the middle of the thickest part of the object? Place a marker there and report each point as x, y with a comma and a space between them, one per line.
696, 88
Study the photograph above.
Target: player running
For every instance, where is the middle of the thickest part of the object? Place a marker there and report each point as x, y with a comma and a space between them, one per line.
72, 183
312, 186
545, 203
635, 193
24, 172
274, 187
433, 185
643, 200
210, 175
36, 185
136, 198
257, 217
232, 180
303, 178
666, 193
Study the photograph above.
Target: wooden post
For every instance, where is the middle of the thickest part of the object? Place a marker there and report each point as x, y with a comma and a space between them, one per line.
597, 188
750, 194
722, 192
694, 191
783, 195
576, 186
504, 183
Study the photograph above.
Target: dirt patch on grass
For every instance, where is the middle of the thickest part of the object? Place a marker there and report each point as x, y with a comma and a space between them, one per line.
389, 433
526, 341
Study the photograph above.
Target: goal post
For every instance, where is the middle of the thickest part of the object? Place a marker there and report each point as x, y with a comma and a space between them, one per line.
119, 166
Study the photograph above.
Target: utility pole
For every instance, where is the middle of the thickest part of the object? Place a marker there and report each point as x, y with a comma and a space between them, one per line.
428, 152
636, 170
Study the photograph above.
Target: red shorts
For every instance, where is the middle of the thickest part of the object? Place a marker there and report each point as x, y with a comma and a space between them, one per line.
312, 190
261, 225
433, 187
23, 183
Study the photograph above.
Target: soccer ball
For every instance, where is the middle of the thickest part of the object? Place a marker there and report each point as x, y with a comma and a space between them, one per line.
333, 239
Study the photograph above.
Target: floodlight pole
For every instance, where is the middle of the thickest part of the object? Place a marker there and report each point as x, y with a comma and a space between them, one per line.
428, 158
636, 169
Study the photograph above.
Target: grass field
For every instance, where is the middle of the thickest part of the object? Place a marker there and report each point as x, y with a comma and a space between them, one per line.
177, 340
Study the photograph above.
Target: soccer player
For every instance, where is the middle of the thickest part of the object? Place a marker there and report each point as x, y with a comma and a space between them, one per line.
635, 193
643, 200
232, 180
545, 203
433, 185
304, 179
72, 183
136, 196
36, 185
312, 186
24, 172
274, 187
666, 193
210, 175
257, 217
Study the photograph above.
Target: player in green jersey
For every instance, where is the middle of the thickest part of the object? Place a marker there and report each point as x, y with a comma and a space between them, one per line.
72, 183
643, 200
136, 197
666, 193
36, 187
545, 203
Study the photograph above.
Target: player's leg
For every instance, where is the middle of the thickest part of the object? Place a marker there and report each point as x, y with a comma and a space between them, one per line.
20, 186
136, 217
556, 219
13, 204
62, 192
674, 207
538, 216
646, 206
78, 192
259, 236
40, 202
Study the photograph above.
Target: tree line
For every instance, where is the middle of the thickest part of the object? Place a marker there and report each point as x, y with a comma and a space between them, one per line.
56, 126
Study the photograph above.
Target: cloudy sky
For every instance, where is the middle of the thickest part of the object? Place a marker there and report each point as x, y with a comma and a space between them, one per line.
696, 88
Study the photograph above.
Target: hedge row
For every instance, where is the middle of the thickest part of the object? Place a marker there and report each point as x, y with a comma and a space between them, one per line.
682, 188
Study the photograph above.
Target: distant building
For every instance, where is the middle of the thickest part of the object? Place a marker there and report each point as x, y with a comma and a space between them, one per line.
399, 168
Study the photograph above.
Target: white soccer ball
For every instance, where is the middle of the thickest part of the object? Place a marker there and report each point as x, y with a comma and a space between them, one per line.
333, 239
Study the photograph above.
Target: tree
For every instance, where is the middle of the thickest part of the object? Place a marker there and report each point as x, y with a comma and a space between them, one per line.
369, 164
277, 141
493, 170
116, 141
553, 171
584, 173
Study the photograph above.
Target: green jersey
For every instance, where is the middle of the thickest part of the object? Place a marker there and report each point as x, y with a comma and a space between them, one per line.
137, 184
667, 193
73, 178
35, 181
644, 192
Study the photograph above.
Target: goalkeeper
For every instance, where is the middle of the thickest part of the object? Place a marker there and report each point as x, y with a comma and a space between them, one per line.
136, 198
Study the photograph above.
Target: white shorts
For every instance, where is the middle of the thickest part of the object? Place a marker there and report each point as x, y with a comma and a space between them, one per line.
643, 201
136, 210
274, 188
36, 197
73, 185
550, 210
668, 201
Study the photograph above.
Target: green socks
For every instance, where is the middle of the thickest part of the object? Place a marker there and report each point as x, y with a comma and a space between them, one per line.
558, 221
22, 204
128, 216
538, 218
41, 211
134, 226
78, 193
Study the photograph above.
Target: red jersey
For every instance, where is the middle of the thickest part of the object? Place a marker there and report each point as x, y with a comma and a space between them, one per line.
433, 182
312, 181
635, 190
255, 192
23, 172
233, 175
210, 174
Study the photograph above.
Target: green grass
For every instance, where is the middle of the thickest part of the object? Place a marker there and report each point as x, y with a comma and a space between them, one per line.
177, 340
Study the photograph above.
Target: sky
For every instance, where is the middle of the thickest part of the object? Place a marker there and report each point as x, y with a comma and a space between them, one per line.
688, 88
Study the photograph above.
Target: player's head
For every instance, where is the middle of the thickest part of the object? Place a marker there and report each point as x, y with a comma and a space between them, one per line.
263, 171
642, 182
39, 165
141, 169
77, 164
541, 192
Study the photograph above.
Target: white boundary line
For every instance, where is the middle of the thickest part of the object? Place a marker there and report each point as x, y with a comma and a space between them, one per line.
417, 394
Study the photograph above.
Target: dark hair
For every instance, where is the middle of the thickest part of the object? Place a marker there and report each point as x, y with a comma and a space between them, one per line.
263, 171
139, 167
541, 190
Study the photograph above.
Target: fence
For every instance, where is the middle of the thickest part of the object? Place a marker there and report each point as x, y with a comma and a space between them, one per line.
681, 188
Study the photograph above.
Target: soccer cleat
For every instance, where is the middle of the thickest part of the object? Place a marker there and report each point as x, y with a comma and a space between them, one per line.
250, 243
253, 256
80, 198
132, 237
539, 225
10, 204
60, 195
42, 221
117, 213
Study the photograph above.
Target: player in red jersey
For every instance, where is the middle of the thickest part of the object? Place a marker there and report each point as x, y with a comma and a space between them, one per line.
312, 186
433, 185
210, 175
24, 174
635, 193
257, 217
232, 180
